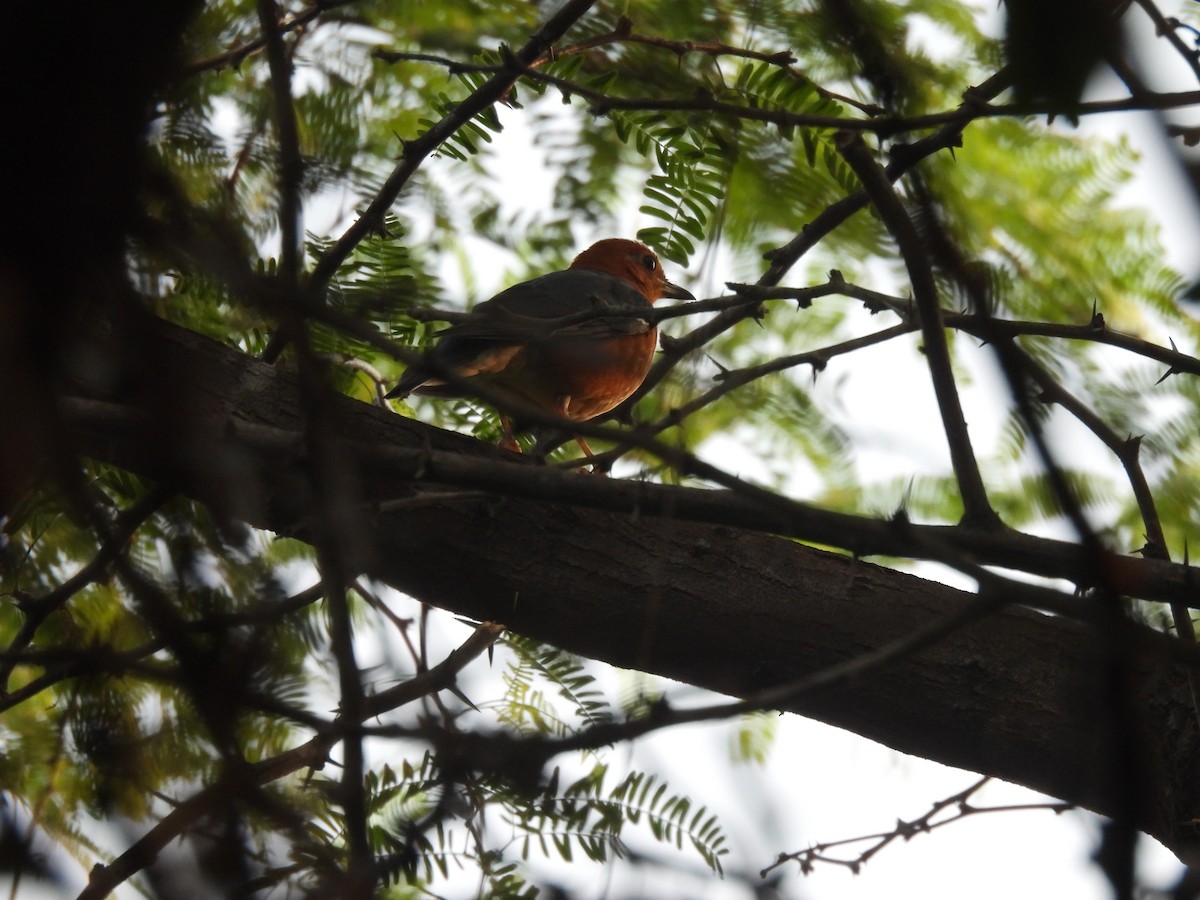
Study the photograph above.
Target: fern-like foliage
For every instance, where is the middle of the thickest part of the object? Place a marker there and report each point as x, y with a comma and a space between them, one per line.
427, 824
588, 818
762, 86
526, 708
694, 165
465, 140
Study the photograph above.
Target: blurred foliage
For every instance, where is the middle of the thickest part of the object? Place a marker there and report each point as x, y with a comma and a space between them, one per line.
106, 716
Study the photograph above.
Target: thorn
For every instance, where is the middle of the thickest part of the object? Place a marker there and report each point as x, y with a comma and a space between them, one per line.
1167, 374
723, 369
454, 689
1172, 370
1152, 550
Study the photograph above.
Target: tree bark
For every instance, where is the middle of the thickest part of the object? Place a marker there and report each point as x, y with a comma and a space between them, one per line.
1039, 700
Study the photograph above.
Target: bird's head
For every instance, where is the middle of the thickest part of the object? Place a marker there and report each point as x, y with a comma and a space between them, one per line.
632, 262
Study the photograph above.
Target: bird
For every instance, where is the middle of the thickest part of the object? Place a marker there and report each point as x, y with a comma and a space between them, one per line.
547, 342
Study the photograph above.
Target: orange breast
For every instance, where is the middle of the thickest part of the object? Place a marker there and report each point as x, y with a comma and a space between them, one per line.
591, 376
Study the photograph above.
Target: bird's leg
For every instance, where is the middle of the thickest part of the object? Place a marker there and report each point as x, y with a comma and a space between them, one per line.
509, 440
597, 468
561, 405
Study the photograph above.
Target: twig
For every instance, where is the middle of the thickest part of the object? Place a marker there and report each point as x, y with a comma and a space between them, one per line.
415, 152
906, 830
1167, 28
505, 753
731, 380
37, 609
312, 754
64, 663
623, 33
236, 55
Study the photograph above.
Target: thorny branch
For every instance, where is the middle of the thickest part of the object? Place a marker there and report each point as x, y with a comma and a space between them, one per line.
976, 508
602, 103
956, 807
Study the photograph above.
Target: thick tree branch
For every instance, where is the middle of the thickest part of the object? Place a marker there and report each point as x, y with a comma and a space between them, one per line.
716, 606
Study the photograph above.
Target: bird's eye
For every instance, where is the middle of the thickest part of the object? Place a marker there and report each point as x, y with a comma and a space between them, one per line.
649, 262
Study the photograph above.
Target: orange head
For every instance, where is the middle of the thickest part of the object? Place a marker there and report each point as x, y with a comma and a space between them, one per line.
633, 263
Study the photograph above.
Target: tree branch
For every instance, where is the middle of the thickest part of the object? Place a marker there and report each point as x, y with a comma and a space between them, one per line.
291, 166
103, 880
977, 511
784, 611
416, 150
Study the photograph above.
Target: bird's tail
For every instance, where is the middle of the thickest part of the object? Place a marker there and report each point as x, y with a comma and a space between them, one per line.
412, 379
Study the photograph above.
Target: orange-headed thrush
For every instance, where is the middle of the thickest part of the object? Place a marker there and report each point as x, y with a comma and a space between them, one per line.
548, 343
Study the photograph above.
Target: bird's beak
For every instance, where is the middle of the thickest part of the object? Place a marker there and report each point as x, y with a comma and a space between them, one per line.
675, 292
